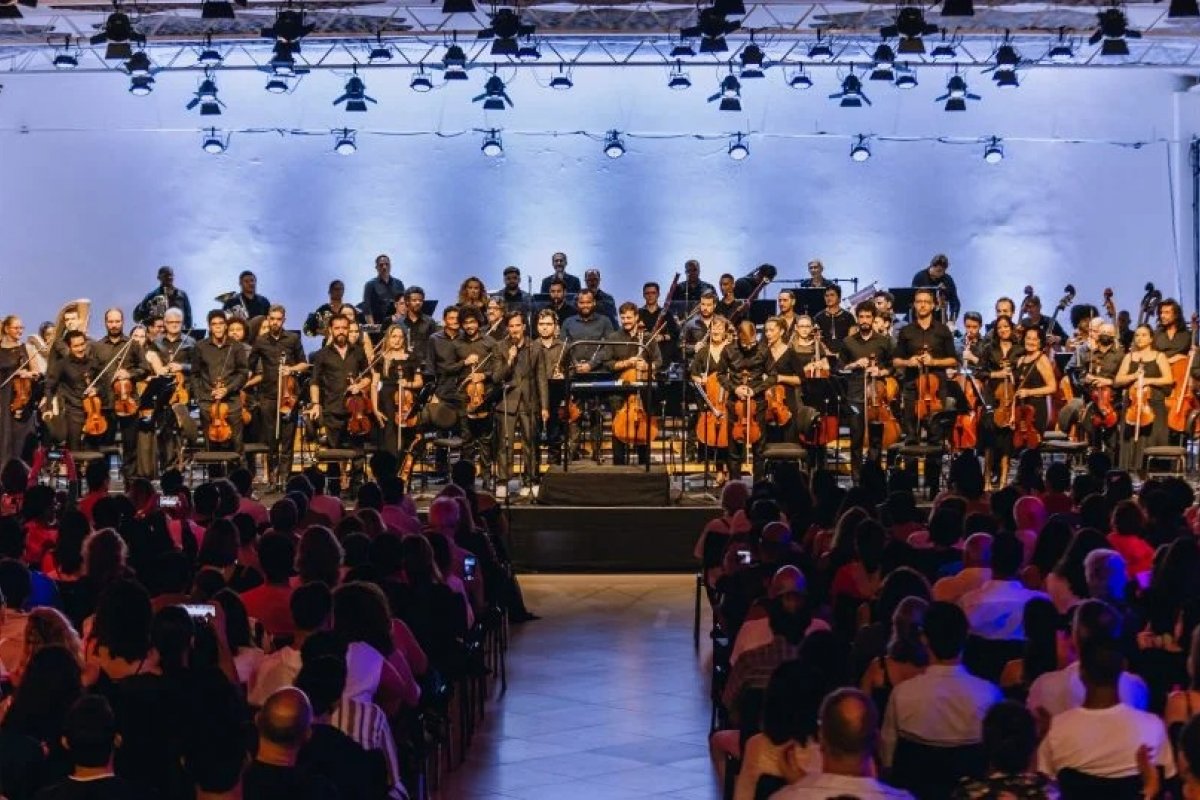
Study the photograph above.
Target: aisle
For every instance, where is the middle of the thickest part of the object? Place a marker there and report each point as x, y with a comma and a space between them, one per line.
606, 697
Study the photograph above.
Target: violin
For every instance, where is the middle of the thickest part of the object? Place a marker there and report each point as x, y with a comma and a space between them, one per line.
290, 396
244, 402
125, 404
219, 430
929, 400
712, 428
778, 412
361, 411
180, 395
1026, 435
405, 401
1104, 412
22, 397
1003, 399
632, 424
476, 391
965, 435
1138, 411
878, 395
1182, 399
94, 423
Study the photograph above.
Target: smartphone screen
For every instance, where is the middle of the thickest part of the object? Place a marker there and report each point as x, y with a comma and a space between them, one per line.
744, 556
469, 567
202, 611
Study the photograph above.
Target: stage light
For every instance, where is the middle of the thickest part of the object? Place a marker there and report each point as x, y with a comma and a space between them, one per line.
138, 64
958, 8
283, 61
910, 26
1114, 30
957, 94
141, 85
455, 62
820, 51
711, 28
529, 51
993, 153
683, 50
421, 82
753, 61
1004, 73
1183, 8
851, 95
289, 27
613, 146
800, 79
882, 62
355, 94
381, 52
506, 28
343, 142
212, 142
277, 85
1006, 79
562, 81
860, 151
206, 97
906, 77
492, 147
210, 58
9, 10
1062, 51
495, 95
730, 94
732, 8
458, 6
738, 148
118, 33
678, 80
945, 50
218, 9
65, 60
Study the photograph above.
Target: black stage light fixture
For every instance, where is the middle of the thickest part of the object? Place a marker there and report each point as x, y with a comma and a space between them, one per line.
354, 95
119, 35
729, 93
711, 28
455, 63
851, 95
958, 8
289, 28
882, 63
1113, 32
495, 95
219, 9
206, 97
1181, 9
753, 61
957, 94
9, 8
506, 28
910, 26
458, 6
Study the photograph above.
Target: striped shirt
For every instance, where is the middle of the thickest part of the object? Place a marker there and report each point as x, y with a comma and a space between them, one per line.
367, 725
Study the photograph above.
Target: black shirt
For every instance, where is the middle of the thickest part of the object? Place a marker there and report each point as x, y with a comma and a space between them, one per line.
108, 788
172, 298
668, 334
572, 283
178, 351
1177, 344
69, 377
441, 363
268, 352
517, 301
379, 297
743, 366
913, 339
945, 283
833, 327
563, 312
855, 347
332, 374
256, 306
133, 362
334, 756
266, 782
213, 364
622, 346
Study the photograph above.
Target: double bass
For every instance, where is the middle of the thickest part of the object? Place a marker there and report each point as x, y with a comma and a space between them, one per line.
1181, 402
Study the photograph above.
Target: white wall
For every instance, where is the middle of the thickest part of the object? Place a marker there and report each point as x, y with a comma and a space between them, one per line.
106, 187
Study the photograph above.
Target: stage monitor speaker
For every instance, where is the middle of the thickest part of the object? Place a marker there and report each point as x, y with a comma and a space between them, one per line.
588, 484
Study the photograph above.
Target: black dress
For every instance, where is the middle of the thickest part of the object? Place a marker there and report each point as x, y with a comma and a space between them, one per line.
393, 370
14, 433
1133, 452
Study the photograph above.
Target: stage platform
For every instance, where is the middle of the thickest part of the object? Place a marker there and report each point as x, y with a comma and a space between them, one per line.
606, 539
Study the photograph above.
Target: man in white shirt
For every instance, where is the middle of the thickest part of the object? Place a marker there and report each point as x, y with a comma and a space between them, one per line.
1055, 692
1102, 737
977, 556
996, 610
848, 741
945, 705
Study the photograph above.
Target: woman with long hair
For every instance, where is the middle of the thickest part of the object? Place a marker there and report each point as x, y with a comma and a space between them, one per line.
1144, 365
1043, 651
38, 709
472, 294
362, 619
906, 657
996, 366
398, 370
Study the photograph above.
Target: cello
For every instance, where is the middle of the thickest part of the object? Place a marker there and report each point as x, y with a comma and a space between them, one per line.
712, 426
745, 420
632, 424
878, 395
1182, 399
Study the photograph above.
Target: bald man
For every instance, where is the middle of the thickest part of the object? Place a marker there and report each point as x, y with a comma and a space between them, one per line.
976, 571
284, 724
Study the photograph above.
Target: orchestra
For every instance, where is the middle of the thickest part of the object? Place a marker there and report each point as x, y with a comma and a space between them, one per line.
517, 376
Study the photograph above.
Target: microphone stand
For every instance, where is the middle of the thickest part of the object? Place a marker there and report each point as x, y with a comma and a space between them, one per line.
567, 373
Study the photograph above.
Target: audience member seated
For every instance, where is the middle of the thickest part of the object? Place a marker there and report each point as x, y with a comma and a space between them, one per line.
756, 630
907, 655
1045, 649
849, 741
944, 706
976, 570
96, 477
320, 502
90, 739
362, 620
435, 614
994, 610
284, 725
1063, 689
1127, 525
1105, 572
243, 481
327, 751
1067, 582
269, 603
1057, 499
309, 610
871, 640
15, 585
1009, 743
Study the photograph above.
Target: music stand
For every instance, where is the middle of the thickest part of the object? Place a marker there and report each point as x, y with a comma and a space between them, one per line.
429, 307
761, 311
809, 300
902, 299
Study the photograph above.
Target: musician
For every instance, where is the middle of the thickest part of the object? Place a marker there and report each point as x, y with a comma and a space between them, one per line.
1124, 329
494, 326
1093, 365
885, 324
631, 349
787, 312
606, 306
356, 339
381, 292
1005, 307
1150, 365
317, 323
127, 363
551, 361
418, 327
816, 276
511, 295
275, 351
743, 376
475, 363
692, 287
1034, 376
442, 410
656, 318
1082, 315
728, 302
219, 370
586, 324
782, 367
744, 286
17, 360
884, 301
472, 294
399, 369
706, 370
558, 300
338, 370
164, 297
936, 276
698, 327
69, 380
73, 316
41, 342
517, 377
247, 303
995, 367
1172, 338
833, 321
558, 263
1051, 330
970, 352
865, 354
928, 344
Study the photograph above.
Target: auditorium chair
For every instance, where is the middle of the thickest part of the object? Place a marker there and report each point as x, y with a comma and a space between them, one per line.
1076, 785
931, 772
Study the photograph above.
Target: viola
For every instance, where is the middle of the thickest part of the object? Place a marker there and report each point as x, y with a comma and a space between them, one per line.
1104, 412
180, 395
94, 423
632, 424
778, 411
712, 428
405, 401
929, 386
878, 394
219, 430
244, 402
290, 396
745, 419
1003, 400
1182, 399
965, 435
1026, 435
361, 412
1138, 411
22, 398
125, 404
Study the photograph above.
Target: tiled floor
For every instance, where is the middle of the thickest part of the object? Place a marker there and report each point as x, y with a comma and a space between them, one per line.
606, 697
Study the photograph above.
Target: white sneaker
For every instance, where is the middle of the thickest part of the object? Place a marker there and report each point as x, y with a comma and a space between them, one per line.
501, 491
